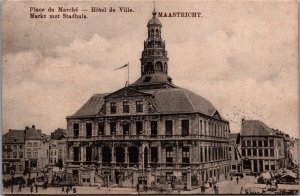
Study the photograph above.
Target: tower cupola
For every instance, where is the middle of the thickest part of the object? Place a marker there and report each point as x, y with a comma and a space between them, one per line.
154, 56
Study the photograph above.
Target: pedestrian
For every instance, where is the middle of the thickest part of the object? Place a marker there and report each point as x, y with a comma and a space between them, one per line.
31, 188
241, 192
36, 187
67, 190
20, 187
138, 188
63, 189
237, 179
217, 190
74, 189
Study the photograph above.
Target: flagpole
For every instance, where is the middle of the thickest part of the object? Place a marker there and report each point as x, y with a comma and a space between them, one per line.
128, 75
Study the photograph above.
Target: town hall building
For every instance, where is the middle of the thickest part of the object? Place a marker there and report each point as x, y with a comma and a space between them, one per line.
150, 131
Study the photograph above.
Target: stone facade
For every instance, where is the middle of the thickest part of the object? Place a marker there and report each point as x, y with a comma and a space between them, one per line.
149, 131
262, 148
13, 144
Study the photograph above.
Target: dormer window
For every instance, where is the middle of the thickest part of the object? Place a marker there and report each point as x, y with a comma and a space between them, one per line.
113, 108
125, 107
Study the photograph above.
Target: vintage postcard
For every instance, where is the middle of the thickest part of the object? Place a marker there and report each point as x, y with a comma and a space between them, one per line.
150, 97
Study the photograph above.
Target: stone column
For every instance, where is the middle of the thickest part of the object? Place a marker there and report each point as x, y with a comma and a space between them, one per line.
71, 154
81, 153
159, 152
126, 155
189, 179
135, 176
148, 176
92, 176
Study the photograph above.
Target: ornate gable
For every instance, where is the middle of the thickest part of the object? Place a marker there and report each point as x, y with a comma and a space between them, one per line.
127, 92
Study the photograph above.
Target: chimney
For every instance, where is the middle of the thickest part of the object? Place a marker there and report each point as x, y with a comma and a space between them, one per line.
9, 130
26, 128
33, 126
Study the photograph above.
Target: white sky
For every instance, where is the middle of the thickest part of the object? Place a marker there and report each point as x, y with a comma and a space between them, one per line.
241, 55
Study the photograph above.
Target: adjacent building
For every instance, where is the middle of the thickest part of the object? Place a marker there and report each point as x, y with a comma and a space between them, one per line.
262, 147
36, 150
58, 148
13, 145
149, 131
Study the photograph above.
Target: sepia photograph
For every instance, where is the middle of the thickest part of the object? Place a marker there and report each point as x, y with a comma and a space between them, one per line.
150, 97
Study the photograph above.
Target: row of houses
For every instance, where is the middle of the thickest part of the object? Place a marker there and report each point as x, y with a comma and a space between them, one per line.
29, 151
259, 148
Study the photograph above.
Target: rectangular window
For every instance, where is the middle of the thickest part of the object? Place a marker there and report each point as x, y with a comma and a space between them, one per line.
271, 152
29, 144
35, 153
260, 152
205, 128
125, 107
267, 167
76, 153
279, 144
272, 167
21, 146
185, 127
259, 143
248, 143
254, 143
205, 154
243, 143
35, 144
113, 108
15, 155
265, 143
101, 128
169, 155
249, 152
169, 127
139, 106
29, 153
153, 128
266, 152
271, 143
15, 146
76, 130
139, 127
89, 128
125, 129
201, 127
185, 154
243, 152
254, 152
112, 128
20, 154
201, 154
154, 154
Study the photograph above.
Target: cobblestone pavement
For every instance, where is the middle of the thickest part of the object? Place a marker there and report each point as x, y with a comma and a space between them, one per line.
225, 187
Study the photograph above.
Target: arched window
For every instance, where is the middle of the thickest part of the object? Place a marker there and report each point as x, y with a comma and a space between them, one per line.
152, 32
159, 66
157, 33
149, 67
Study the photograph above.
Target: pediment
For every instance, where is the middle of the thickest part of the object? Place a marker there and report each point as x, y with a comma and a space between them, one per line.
216, 115
127, 92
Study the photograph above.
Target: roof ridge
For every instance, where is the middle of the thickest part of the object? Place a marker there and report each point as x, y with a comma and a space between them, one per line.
189, 99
